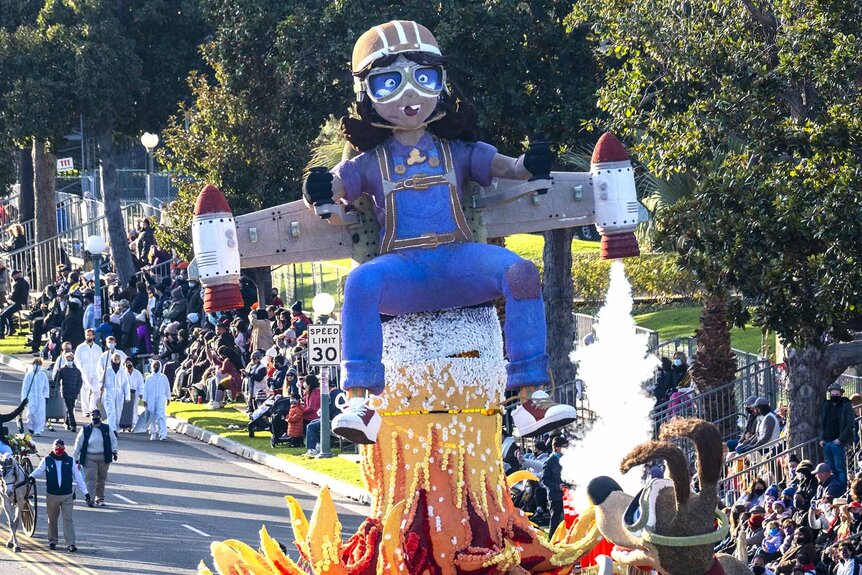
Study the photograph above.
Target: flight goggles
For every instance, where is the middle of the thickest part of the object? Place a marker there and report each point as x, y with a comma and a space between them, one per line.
387, 84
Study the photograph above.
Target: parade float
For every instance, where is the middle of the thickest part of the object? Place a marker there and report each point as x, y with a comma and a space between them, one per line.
428, 387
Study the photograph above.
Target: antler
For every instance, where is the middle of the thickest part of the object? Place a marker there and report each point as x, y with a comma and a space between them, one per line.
707, 442
676, 464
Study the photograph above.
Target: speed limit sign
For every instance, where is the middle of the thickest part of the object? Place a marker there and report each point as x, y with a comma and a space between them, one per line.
324, 344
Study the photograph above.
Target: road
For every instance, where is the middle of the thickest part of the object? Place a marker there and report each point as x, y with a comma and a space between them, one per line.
166, 502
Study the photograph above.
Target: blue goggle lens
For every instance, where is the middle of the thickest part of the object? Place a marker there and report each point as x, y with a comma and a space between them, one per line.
383, 85
430, 78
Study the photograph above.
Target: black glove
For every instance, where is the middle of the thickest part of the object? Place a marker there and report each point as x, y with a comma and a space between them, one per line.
89, 499
31, 480
538, 158
115, 456
317, 188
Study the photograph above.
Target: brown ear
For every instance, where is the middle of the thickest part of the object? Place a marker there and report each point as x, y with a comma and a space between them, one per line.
707, 442
677, 464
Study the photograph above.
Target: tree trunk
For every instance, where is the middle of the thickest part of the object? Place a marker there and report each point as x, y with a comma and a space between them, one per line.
262, 278
45, 175
808, 377
714, 366
119, 247
26, 201
559, 293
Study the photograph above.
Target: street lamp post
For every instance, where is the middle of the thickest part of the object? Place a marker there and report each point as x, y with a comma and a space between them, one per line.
323, 304
150, 141
96, 247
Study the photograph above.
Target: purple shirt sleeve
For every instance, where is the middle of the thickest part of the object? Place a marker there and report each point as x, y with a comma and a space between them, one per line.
473, 161
350, 173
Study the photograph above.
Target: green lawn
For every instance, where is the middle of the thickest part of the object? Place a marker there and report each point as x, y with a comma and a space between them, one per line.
13, 345
218, 421
529, 246
683, 321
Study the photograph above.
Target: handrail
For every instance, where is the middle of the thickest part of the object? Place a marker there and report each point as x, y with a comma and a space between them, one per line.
767, 445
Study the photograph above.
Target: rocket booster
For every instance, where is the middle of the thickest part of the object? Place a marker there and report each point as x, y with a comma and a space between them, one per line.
216, 251
617, 206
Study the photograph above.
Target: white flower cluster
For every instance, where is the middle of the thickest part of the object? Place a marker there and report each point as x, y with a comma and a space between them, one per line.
420, 375
422, 336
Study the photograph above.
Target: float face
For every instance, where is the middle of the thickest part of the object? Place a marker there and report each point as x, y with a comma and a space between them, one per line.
617, 207
216, 251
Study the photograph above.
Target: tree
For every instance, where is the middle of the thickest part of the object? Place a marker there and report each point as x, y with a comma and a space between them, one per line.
33, 114
129, 62
775, 87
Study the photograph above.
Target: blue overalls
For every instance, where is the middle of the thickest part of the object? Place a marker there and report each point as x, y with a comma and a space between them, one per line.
429, 262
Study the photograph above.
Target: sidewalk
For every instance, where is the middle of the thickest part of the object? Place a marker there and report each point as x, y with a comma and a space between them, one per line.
339, 468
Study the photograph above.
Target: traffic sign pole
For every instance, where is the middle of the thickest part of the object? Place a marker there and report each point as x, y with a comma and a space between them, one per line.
324, 351
324, 414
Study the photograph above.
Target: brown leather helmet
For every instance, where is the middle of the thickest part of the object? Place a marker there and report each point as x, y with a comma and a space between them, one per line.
395, 37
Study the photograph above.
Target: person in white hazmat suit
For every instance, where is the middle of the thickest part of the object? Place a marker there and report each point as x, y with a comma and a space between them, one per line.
115, 392
136, 386
35, 389
157, 395
110, 350
87, 359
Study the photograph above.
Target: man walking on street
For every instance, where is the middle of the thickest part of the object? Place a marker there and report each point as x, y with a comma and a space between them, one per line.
95, 448
552, 481
87, 359
35, 389
60, 474
157, 395
70, 379
837, 429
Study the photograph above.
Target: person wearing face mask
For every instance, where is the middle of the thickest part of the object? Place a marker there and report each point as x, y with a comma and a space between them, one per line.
95, 448
115, 391
35, 389
70, 379
828, 487
136, 385
60, 473
87, 359
157, 395
837, 430
754, 496
803, 540
824, 519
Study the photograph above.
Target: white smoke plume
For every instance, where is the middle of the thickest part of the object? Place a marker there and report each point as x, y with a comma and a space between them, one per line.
613, 369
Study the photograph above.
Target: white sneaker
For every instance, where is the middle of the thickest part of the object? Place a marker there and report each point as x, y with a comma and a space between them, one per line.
357, 423
540, 414
312, 453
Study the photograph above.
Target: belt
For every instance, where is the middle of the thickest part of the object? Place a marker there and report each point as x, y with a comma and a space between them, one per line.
419, 182
424, 241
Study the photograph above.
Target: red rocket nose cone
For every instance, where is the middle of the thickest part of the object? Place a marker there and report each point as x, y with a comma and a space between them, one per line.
222, 297
211, 201
609, 149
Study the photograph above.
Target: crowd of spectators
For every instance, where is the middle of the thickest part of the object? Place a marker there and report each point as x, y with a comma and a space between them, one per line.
797, 516
251, 356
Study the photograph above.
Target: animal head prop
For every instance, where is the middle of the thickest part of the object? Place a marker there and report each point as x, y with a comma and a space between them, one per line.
667, 526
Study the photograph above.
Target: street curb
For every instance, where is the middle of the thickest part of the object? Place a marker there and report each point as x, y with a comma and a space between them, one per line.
299, 472
13, 362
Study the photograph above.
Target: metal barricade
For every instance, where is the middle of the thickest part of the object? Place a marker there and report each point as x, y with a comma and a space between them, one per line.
768, 463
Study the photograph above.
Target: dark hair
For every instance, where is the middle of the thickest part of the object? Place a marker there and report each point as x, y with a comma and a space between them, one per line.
764, 409
311, 381
261, 314
278, 361
457, 123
